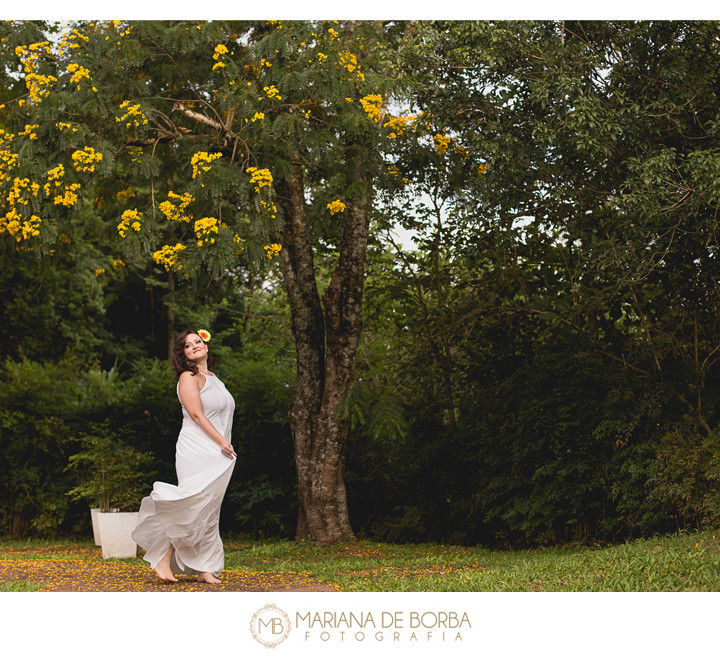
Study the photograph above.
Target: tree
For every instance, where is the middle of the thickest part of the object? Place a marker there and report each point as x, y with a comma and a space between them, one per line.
210, 144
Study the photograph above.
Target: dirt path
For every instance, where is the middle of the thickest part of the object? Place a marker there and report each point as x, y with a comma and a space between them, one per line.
82, 569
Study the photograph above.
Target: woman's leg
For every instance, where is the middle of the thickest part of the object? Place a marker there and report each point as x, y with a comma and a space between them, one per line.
163, 567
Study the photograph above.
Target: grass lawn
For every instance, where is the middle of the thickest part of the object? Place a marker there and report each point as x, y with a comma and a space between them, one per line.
684, 562
687, 562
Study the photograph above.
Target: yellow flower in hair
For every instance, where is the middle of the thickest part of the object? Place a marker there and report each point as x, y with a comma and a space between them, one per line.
204, 335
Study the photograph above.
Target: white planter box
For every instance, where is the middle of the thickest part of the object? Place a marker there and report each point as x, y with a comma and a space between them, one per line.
115, 533
96, 530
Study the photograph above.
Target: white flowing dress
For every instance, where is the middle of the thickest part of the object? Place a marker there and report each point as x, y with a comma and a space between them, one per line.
187, 516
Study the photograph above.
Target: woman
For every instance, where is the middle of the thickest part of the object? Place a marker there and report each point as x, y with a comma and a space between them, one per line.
178, 526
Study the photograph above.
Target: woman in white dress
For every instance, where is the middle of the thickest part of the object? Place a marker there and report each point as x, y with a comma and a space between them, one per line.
178, 526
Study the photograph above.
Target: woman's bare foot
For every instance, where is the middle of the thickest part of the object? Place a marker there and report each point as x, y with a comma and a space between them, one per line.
163, 569
207, 577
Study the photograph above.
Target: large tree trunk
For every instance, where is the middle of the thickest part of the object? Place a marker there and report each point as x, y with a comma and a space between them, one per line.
326, 343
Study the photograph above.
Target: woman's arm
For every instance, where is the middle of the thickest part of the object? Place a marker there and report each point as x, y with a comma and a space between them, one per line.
189, 390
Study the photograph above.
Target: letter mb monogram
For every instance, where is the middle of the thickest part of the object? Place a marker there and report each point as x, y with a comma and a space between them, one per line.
270, 625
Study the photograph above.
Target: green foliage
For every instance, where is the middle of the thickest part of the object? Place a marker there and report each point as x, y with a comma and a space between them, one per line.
261, 497
34, 443
686, 474
110, 473
45, 407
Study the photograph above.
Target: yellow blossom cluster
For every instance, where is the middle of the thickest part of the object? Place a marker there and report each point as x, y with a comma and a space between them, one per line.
62, 125
118, 264
29, 131
333, 33
371, 104
130, 219
16, 192
394, 171
272, 250
70, 40
482, 168
79, 73
220, 52
304, 103
99, 271
201, 162
125, 195
206, 229
18, 227
442, 143
168, 255
177, 212
260, 177
8, 159
336, 207
86, 159
272, 92
63, 194
258, 116
269, 207
398, 125
259, 66
348, 61
135, 153
13, 221
37, 84
132, 116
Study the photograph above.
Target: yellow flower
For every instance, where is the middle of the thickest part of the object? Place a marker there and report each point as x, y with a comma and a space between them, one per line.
168, 256
441, 143
201, 162
86, 159
260, 177
124, 195
336, 206
99, 271
396, 172
204, 335
177, 213
272, 250
272, 92
132, 116
205, 230
371, 105
62, 125
78, 73
129, 219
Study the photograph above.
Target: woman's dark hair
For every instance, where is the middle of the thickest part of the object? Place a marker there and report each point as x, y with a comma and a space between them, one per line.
179, 361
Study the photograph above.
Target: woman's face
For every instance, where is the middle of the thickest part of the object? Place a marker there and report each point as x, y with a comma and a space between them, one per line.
194, 348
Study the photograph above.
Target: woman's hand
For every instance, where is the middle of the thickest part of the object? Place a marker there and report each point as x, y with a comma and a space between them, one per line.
227, 450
